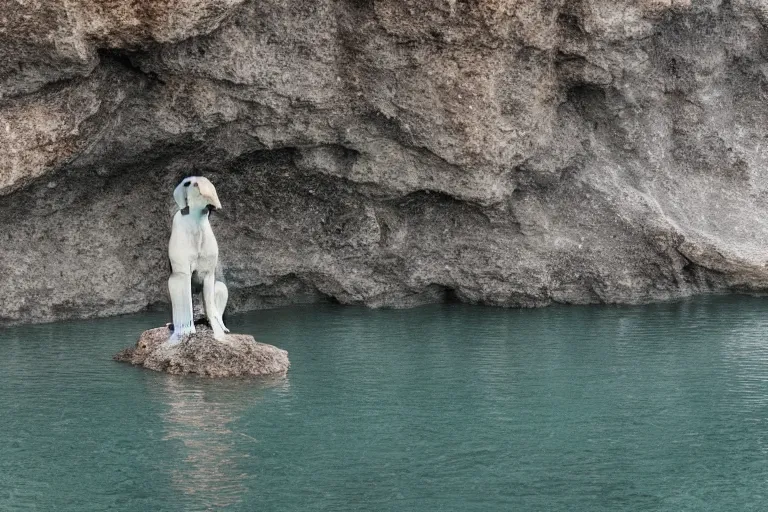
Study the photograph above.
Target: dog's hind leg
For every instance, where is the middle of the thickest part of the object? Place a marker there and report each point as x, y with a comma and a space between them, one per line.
221, 296
180, 289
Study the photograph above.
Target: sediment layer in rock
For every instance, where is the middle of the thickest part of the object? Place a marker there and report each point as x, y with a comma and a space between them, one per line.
238, 355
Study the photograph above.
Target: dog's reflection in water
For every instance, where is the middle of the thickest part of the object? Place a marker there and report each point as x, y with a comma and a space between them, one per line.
200, 414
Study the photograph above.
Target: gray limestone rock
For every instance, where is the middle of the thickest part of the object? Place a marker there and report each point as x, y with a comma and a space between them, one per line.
384, 152
238, 355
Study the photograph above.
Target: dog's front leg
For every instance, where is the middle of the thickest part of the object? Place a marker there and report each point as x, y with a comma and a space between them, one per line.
211, 311
180, 289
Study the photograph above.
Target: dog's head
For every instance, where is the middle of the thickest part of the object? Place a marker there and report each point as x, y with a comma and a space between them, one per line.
196, 192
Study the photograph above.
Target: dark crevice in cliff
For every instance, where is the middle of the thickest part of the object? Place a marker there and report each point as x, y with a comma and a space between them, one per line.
335, 165
417, 200
586, 98
570, 23
450, 295
127, 60
285, 290
48, 88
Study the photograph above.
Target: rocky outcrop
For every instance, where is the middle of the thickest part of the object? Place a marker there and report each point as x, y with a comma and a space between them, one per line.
384, 152
238, 355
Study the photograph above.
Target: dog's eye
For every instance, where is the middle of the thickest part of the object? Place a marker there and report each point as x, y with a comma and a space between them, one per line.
196, 185
186, 183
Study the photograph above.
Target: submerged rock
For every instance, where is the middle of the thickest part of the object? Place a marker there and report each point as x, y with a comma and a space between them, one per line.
237, 355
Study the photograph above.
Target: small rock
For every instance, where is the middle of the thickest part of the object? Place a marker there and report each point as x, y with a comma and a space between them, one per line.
200, 353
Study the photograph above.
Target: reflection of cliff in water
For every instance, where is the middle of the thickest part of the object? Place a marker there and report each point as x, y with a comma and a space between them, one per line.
208, 469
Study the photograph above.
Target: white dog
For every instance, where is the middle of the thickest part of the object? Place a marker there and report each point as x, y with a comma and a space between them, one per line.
193, 251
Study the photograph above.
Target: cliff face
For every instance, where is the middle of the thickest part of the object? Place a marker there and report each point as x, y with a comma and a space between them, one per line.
384, 152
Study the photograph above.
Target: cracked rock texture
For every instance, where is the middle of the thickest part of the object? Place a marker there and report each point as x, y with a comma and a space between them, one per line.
384, 152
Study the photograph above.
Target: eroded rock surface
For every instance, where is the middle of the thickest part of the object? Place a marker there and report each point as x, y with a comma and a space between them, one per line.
384, 152
238, 355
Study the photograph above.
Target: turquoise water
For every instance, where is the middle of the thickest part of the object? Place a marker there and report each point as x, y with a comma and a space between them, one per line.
449, 407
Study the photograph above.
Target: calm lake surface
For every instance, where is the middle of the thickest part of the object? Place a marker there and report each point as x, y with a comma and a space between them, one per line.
448, 407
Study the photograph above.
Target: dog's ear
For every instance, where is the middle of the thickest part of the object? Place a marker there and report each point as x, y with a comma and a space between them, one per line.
208, 191
180, 193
